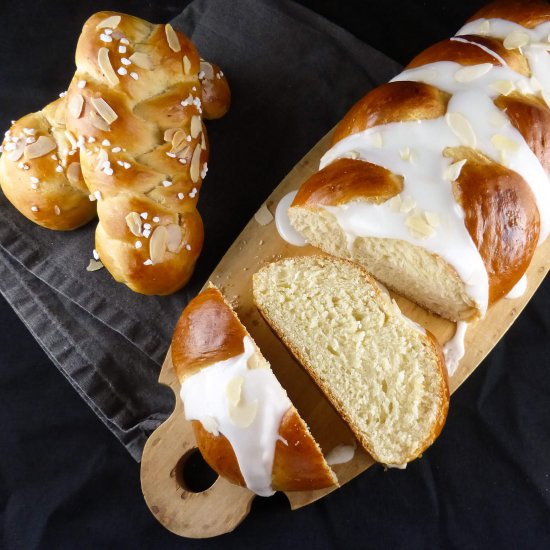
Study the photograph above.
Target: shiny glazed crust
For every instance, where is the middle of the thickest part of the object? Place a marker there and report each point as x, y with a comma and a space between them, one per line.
48, 190
501, 213
208, 331
157, 136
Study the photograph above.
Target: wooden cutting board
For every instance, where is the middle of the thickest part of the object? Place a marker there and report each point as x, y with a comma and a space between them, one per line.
223, 506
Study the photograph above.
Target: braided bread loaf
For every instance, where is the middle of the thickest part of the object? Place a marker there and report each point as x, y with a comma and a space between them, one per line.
143, 150
437, 182
40, 170
135, 103
245, 425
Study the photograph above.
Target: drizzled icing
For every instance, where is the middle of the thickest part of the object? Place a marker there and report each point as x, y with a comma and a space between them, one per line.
282, 222
519, 289
453, 350
340, 454
415, 150
207, 398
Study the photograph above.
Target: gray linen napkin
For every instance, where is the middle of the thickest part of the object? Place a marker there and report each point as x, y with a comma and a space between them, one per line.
293, 75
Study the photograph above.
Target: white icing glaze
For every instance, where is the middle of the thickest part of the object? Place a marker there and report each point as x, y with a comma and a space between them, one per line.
285, 229
423, 167
519, 289
453, 350
205, 397
424, 182
340, 454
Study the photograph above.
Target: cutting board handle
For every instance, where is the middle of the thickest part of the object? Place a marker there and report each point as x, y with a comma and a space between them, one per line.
215, 511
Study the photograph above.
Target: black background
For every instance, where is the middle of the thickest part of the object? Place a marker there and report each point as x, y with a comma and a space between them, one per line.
66, 482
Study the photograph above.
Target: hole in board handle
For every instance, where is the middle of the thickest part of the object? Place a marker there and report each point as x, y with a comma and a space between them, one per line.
193, 473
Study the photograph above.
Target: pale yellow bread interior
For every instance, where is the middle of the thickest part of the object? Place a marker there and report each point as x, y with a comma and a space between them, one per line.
410, 270
385, 375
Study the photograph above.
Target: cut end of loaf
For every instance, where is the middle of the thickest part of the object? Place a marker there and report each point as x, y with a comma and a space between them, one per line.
208, 333
410, 270
384, 375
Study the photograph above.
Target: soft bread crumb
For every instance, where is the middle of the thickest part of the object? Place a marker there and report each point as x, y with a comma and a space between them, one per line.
381, 373
410, 270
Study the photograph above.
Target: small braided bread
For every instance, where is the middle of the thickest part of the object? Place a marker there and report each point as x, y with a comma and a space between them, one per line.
137, 95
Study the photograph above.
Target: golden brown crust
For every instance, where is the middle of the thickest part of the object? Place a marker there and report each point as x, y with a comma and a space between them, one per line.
531, 118
216, 95
527, 13
502, 218
506, 240
470, 54
148, 159
207, 332
40, 187
392, 102
429, 341
346, 180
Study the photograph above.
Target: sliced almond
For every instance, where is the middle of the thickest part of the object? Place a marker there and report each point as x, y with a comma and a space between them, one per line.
243, 415
203, 142
94, 265
432, 218
503, 143
17, 152
178, 141
452, 172
256, 361
56, 209
71, 139
484, 28
102, 158
76, 102
472, 72
73, 173
142, 60
516, 39
405, 153
194, 169
42, 146
111, 22
461, 128
186, 65
377, 140
172, 38
169, 133
418, 226
97, 122
546, 97
104, 110
394, 203
207, 69
407, 204
233, 390
105, 65
263, 216
133, 221
503, 87
174, 238
157, 244
196, 126
182, 153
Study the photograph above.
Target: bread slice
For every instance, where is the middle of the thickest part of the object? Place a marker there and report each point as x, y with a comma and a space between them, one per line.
207, 334
383, 373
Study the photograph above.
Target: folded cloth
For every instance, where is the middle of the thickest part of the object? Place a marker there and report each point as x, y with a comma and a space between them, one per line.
293, 75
